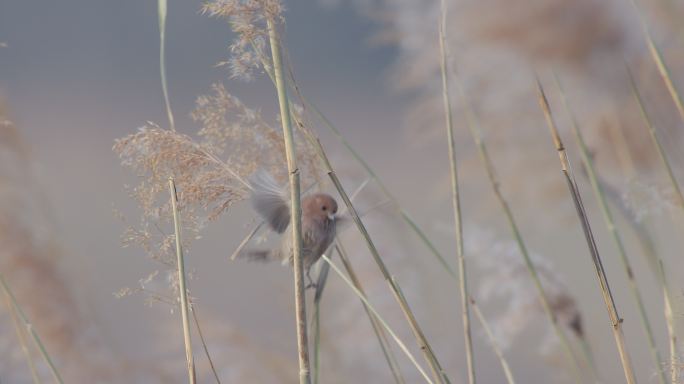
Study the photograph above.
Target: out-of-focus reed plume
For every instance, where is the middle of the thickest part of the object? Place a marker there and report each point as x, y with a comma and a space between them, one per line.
29, 259
495, 44
505, 281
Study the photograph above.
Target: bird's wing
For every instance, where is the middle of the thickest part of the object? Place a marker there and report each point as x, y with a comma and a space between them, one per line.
269, 201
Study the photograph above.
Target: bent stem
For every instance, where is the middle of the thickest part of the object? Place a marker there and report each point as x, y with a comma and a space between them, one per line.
437, 371
656, 140
30, 329
377, 328
455, 198
616, 321
22, 340
492, 341
295, 206
617, 238
657, 56
382, 321
184, 301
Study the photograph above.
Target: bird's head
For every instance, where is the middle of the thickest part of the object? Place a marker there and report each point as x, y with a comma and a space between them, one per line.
320, 207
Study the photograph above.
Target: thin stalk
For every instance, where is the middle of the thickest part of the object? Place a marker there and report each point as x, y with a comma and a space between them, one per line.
437, 371
656, 140
184, 301
316, 323
616, 321
617, 238
657, 56
295, 206
492, 341
161, 12
377, 328
455, 198
22, 340
204, 343
395, 203
648, 246
30, 329
382, 321
669, 316
475, 131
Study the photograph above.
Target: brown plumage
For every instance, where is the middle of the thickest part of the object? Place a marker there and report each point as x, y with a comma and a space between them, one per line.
319, 222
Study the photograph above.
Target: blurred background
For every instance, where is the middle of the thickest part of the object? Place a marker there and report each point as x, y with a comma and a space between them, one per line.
77, 75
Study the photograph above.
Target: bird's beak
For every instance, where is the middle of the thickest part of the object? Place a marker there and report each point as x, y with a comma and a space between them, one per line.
331, 216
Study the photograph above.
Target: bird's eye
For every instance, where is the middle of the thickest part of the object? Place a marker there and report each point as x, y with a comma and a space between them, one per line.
324, 208
334, 210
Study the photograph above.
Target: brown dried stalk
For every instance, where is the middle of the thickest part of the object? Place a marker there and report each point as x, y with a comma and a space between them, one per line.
616, 321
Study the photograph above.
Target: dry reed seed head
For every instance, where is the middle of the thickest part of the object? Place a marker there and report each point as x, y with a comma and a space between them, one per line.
506, 280
210, 171
247, 19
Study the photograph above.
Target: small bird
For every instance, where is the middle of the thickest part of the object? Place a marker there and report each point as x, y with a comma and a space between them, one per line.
319, 222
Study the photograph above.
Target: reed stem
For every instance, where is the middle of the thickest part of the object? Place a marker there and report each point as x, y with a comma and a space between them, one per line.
377, 328
492, 341
455, 197
616, 321
184, 301
295, 206
384, 324
476, 133
612, 228
22, 340
31, 331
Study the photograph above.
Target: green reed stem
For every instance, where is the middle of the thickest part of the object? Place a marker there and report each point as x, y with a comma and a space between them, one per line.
31, 331
492, 341
382, 321
476, 133
656, 140
184, 301
22, 340
161, 12
377, 327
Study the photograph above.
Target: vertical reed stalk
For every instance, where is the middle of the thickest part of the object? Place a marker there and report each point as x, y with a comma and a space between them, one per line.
656, 140
455, 197
296, 212
616, 321
648, 246
438, 373
161, 12
377, 328
395, 203
316, 322
492, 341
184, 301
617, 238
672, 336
382, 321
669, 316
30, 329
475, 131
22, 340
